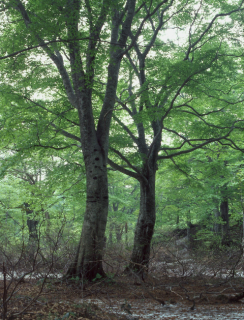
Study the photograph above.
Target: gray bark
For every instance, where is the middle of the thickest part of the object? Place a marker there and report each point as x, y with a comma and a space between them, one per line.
78, 82
224, 212
32, 224
217, 226
177, 220
242, 228
189, 235
224, 209
145, 225
88, 261
126, 234
119, 232
110, 238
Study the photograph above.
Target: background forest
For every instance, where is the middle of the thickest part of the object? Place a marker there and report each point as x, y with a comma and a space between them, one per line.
121, 130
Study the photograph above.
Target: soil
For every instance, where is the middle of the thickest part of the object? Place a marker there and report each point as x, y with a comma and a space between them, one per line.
192, 286
125, 297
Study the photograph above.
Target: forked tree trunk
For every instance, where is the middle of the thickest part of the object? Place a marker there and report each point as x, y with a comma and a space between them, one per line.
88, 261
78, 82
144, 228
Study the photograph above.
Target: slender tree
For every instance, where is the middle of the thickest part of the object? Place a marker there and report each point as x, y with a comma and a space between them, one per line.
181, 101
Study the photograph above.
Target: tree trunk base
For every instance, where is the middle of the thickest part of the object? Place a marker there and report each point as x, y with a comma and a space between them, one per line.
139, 271
90, 272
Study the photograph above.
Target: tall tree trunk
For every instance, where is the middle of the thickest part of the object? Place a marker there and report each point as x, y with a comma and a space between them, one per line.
145, 225
224, 209
31, 224
126, 234
189, 235
110, 237
117, 226
33, 235
88, 260
119, 232
78, 82
217, 226
48, 223
177, 220
242, 240
224, 212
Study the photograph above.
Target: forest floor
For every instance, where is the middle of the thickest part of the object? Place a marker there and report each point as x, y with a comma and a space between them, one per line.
179, 286
123, 298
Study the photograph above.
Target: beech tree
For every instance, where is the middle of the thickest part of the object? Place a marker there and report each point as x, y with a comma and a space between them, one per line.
76, 64
60, 68
60, 63
180, 96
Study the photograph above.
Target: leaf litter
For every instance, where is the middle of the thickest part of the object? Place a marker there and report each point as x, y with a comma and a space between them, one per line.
184, 289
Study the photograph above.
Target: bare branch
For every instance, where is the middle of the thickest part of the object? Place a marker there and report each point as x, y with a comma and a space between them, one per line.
126, 129
56, 59
125, 160
191, 46
123, 170
65, 133
141, 26
168, 156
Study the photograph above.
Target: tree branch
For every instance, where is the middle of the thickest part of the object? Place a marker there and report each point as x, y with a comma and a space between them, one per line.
125, 160
210, 26
123, 170
194, 148
58, 61
125, 128
65, 133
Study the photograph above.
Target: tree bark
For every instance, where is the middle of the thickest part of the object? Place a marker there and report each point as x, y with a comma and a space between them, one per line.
110, 237
217, 226
126, 234
118, 232
95, 142
145, 225
242, 228
224, 209
177, 220
189, 233
32, 224
88, 260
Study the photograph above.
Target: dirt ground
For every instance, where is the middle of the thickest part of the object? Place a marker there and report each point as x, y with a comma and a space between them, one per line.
124, 297
178, 286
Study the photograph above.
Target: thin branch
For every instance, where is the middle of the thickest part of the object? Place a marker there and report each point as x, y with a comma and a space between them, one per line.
210, 26
125, 160
57, 59
65, 133
124, 106
194, 148
195, 111
123, 170
141, 26
125, 128
48, 110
